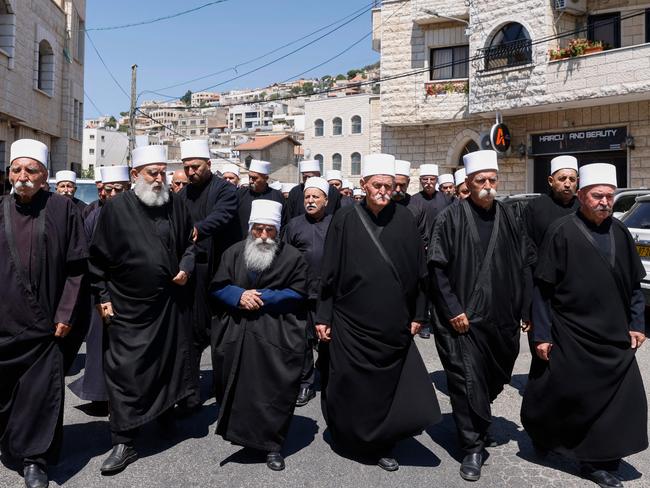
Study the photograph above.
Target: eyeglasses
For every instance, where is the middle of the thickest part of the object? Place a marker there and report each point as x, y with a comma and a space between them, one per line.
113, 189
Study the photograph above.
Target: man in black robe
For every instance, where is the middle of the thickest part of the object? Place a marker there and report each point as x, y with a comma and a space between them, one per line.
429, 199
307, 234
446, 184
101, 197
257, 189
259, 342
66, 185
141, 258
402, 197
295, 202
230, 173
586, 399
478, 261
462, 192
44, 259
375, 387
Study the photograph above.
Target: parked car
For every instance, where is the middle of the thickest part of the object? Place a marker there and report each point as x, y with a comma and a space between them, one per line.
637, 220
624, 198
518, 202
86, 189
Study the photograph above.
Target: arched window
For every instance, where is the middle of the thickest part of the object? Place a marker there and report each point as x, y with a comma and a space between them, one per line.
510, 46
318, 128
45, 80
336, 161
355, 168
319, 158
7, 30
356, 124
337, 126
470, 147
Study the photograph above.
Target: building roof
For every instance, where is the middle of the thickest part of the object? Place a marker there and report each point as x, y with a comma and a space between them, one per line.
262, 142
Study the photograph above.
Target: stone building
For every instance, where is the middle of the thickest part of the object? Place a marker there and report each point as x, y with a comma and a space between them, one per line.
278, 149
104, 147
566, 76
42, 77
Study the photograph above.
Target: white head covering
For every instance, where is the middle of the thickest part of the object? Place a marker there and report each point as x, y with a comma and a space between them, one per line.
402, 168
29, 148
378, 164
347, 184
65, 175
333, 174
446, 178
287, 187
480, 161
358, 192
598, 174
262, 167
317, 182
111, 174
196, 148
429, 170
144, 155
459, 176
266, 212
230, 168
563, 162
276, 185
98, 173
309, 165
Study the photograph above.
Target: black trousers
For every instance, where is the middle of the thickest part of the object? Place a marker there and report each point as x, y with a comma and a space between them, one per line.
308, 374
127, 437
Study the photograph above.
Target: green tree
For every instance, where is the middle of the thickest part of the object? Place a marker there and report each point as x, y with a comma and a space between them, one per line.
340, 77
126, 113
295, 90
187, 98
263, 96
274, 96
308, 88
111, 122
352, 73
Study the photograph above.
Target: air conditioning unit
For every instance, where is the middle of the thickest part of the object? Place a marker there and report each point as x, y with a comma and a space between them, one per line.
575, 7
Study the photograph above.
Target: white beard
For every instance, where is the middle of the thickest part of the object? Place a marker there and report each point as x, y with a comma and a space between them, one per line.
145, 193
259, 255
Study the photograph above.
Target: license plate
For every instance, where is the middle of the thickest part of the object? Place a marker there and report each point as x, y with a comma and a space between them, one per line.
644, 251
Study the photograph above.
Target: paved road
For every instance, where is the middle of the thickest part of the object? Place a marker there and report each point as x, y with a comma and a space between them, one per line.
198, 458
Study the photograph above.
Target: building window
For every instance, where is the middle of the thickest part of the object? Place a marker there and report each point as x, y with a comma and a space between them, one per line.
355, 168
470, 147
103, 138
647, 25
319, 158
7, 30
337, 126
318, 128
510, 46
77, 36
336, 161
102, 153
45, 76
77, 120
91, 151
356, 124
449, 63
92, 137
605, 28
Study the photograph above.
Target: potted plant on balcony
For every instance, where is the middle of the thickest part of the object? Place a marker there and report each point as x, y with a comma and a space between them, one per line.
595, 47
560, 53
581, 46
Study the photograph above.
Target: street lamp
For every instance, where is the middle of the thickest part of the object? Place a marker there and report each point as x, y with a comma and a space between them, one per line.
441, 16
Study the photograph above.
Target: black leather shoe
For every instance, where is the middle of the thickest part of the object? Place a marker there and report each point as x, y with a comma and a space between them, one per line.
275, 461
470, 468
305, 395
388, 464
35, 476
424, 333
603, 478
119, 458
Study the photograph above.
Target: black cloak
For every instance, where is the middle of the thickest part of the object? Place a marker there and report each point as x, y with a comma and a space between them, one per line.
246, 197
296, 201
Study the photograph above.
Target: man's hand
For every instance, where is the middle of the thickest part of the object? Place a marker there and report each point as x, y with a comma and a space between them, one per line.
526, 326
180, 279
543, 350
195, 234
62, 330
460, 323
105, 312
415, 327
324, 332
250, 300
638, 338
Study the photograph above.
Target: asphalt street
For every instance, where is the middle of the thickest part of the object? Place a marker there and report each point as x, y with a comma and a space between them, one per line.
196, 457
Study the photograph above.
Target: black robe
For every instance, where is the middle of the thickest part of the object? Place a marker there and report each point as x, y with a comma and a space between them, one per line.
246, 197
376, 389
258, 356
135, 253
431, 206
33, 296
588, 401
541, 212
296, 201
420, 215
80, 204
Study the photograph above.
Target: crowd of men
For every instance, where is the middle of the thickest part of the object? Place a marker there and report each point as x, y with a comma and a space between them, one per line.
155, 271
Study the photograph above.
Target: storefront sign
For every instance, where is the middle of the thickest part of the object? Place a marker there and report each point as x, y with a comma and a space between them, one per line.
578, 141
500, 137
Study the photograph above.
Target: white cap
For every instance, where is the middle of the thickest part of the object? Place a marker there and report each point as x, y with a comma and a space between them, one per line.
276, 185
267, 212
144, 155
347, 184
262, 167
111, 174
358, 192
402, 168
244, 181
598, 174
446, 178
480, 161
317, 182
230, 168
333, 174
98, 173
459, 176
310, 165
65, 175
29, 148
287, 187
563, 162
196, 148
378, 164
429, 170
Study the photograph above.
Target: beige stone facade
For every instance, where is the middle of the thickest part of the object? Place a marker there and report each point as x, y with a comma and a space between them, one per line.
41, 77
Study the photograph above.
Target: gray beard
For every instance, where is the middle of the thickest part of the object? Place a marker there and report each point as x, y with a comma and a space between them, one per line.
258, 255
146, 195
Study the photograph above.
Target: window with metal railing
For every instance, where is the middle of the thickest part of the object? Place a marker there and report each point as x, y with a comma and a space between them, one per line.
510, 46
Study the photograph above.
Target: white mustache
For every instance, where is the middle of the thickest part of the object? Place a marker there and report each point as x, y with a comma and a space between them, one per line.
381, 198
606, 208
490, 193
311, 205
26, 184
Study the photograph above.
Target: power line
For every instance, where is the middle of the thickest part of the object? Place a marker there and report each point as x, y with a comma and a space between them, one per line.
152, 21
99, 112
106, 66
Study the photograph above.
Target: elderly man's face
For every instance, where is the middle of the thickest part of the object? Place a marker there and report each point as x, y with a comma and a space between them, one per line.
111, 190
257, 181
564, 184
264, 232
462, 191
448, 188
66, 188
346, 192
309, 174
379, 190
197, 170
336, 184
596, 202
483, 187
315, 202
152, 174
100, 194
429, 184
179, 180
231, 178
27, 176
401, 186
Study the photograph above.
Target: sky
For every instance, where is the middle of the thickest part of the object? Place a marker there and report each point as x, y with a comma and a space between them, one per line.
215, 38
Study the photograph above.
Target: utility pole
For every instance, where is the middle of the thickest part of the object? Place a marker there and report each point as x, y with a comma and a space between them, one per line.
134, 74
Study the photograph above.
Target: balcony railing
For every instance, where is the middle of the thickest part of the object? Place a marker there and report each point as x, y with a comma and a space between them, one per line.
507, 55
